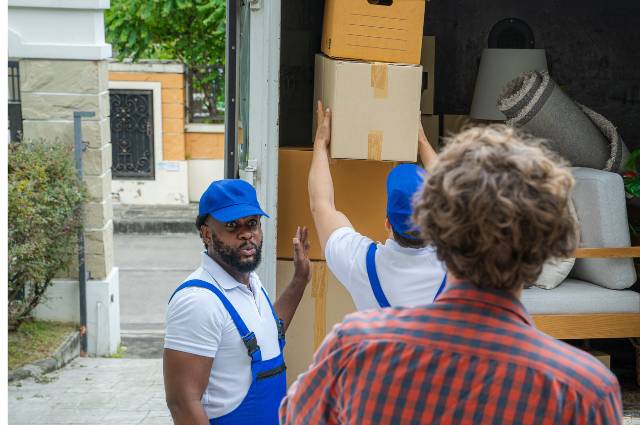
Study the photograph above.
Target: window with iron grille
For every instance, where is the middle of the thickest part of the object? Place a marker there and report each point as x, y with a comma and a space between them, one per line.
205, 94
15, 106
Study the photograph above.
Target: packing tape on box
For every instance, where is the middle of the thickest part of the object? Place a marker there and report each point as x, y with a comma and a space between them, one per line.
374, 151
380, 80
319, 295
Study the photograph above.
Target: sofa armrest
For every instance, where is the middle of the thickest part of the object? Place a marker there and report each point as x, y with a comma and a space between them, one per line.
622, 252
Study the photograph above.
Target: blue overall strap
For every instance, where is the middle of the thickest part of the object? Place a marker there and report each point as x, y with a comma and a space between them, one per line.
279, 321
373, 276
441, 288
248, 337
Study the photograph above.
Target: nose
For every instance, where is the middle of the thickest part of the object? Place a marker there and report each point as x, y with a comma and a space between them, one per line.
245, 234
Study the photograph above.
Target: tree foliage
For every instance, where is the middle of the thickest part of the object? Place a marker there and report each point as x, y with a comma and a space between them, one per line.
191, 31
45, 199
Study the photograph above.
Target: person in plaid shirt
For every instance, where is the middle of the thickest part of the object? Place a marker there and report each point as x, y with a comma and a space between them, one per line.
495, 207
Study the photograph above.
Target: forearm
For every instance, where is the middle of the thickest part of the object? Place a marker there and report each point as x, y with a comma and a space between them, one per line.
188, 412
427, 155
288, 302
320, 181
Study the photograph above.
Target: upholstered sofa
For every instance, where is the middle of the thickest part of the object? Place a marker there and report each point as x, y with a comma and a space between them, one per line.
595, 300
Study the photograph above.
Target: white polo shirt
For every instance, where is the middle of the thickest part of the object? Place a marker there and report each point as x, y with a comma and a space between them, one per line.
409, 277
198, 323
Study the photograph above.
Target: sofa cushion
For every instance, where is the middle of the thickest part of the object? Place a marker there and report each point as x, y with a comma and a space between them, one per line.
599, 199
554, 272
578, 297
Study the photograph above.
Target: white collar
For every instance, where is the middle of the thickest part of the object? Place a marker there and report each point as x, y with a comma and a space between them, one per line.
395, 246
220, 275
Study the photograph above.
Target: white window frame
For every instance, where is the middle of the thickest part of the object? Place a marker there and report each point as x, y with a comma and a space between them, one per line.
156, 88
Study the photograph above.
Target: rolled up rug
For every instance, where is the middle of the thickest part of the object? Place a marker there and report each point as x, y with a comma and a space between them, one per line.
534, 102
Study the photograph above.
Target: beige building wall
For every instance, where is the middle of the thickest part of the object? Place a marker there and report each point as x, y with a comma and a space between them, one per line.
51, 91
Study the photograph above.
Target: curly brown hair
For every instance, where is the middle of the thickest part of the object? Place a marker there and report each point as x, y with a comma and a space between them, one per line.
496, 207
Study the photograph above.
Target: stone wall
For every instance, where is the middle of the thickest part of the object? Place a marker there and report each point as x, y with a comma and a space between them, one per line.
51, 91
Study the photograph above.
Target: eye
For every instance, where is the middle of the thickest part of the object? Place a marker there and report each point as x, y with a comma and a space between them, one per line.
253, 223
231, 225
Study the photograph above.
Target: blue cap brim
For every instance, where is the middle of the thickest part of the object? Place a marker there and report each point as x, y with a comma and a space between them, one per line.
236, 212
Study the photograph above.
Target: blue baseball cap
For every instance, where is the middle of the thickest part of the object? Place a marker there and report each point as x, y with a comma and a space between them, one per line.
402, 184
228, 200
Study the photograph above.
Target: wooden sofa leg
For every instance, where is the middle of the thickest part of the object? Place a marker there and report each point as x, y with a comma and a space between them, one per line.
636, 344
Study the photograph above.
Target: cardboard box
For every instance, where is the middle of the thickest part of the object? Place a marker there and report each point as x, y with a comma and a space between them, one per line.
374, 108
325, 302
431, 126
428, 62
359, 189
390, 31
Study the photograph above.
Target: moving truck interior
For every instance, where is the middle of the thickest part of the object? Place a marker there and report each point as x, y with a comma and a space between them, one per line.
591, 53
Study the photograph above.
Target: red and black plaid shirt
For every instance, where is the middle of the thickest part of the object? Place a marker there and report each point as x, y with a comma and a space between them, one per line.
473, 357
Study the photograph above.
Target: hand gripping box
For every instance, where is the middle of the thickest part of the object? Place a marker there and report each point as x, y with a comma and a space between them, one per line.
375, 108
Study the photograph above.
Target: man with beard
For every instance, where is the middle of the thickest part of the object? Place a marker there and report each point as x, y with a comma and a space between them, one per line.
223, 361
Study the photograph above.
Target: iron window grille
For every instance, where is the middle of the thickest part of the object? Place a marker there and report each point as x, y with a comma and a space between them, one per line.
14, 100
132, 134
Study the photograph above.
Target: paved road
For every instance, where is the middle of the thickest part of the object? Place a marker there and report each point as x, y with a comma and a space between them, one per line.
151, 267
93, 391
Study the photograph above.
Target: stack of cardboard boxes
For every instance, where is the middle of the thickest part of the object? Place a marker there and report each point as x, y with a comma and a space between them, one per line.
371, 77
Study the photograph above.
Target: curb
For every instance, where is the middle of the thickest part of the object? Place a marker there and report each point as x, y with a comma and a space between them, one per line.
67, 351
153, 227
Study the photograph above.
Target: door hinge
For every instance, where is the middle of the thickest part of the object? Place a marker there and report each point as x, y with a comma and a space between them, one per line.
250, 172
255, 4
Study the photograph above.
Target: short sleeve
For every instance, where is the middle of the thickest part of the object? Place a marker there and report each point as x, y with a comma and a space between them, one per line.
345, 247
195, 322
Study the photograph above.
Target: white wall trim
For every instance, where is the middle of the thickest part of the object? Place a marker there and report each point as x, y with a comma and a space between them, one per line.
168, 67
57, 29
62, 4
157, 110
264, 130
204, 128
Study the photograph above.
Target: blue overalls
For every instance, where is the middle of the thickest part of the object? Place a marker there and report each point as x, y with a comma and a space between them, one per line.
269, 379
375, 281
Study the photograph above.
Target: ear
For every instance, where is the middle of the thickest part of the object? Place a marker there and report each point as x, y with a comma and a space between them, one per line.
205, 235
387, 224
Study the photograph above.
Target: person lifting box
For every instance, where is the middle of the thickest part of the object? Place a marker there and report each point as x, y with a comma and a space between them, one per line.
403, 271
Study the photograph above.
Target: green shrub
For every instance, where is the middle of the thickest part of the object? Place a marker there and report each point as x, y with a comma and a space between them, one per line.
45, 201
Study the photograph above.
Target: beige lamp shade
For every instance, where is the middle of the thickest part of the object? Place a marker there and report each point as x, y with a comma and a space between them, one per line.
497, 68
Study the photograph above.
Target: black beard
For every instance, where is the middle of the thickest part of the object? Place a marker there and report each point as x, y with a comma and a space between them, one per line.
231, 256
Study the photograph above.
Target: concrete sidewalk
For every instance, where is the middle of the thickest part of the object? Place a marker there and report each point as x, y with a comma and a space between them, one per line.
93, 391
98, 391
